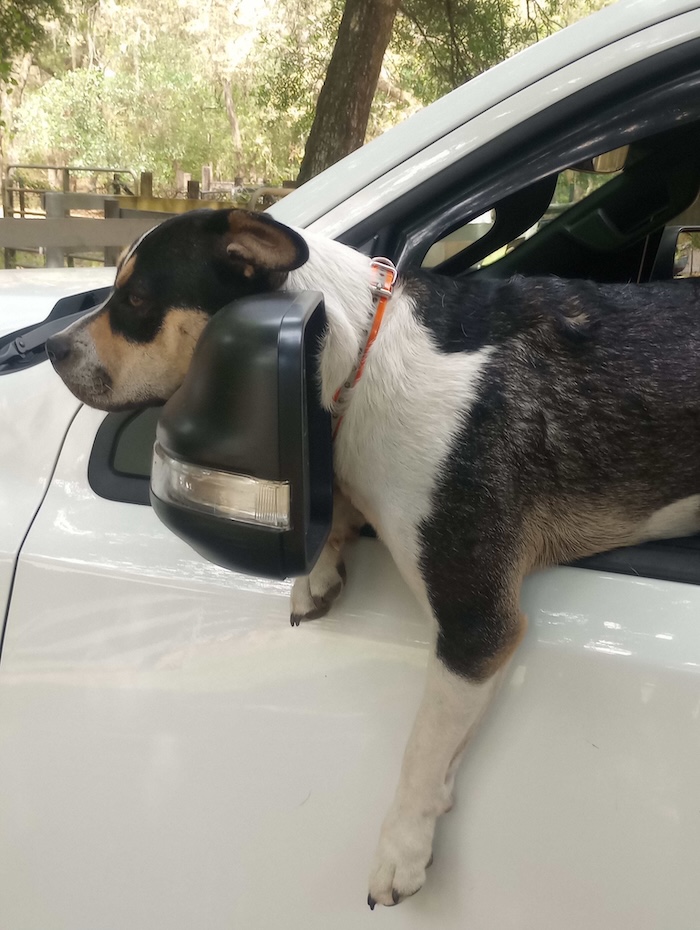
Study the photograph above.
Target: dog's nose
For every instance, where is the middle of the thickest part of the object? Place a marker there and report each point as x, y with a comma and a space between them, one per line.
58, 348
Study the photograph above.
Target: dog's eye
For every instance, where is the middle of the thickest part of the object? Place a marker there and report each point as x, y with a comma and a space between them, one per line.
135, 300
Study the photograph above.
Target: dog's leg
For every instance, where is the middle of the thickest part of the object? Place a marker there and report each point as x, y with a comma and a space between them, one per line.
462, 677
313, 594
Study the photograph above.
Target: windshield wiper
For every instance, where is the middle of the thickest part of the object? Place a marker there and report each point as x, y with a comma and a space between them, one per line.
27, 347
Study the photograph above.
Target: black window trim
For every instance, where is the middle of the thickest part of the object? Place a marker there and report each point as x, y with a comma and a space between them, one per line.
103, 478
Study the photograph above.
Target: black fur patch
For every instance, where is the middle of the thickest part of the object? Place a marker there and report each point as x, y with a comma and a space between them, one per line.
183, 263
594, 415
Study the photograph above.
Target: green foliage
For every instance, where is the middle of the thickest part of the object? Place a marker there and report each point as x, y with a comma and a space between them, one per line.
141, 83
445, 43
147, 90
21, 27
167, 113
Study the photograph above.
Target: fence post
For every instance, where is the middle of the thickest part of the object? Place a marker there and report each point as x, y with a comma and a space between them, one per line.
112, 252
193, 190
8, 211
55, 255
146, 184
22, 200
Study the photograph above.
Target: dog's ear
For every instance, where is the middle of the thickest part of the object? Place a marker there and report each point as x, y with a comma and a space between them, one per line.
255, 243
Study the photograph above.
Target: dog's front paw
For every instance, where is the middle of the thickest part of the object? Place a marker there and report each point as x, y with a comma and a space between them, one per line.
405, 852
313, 594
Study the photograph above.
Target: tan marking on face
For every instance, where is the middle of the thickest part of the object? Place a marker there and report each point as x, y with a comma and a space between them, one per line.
143, 371
125, 272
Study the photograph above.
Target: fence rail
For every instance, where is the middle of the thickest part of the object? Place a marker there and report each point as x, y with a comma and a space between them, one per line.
47, 227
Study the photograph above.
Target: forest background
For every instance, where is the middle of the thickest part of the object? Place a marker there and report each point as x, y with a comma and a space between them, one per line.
161, 85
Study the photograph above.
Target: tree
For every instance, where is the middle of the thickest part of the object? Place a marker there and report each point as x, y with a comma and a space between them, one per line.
144, 84
345, 100
21, 27
452, 41
436, 46
448, 42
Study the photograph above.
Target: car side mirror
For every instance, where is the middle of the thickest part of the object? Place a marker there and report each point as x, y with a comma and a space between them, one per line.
242, 464
677, 254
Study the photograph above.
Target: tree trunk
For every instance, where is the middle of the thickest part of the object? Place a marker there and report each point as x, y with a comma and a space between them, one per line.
342, 111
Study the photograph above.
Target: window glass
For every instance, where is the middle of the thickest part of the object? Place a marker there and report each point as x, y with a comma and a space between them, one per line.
133, 448
574, 184
458, 240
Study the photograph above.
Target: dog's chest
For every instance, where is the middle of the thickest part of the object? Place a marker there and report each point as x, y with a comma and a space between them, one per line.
401, 421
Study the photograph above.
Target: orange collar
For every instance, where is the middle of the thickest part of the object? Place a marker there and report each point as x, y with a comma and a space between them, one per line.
382, 284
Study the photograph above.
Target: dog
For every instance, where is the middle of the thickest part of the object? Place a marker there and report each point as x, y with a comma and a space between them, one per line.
498, 426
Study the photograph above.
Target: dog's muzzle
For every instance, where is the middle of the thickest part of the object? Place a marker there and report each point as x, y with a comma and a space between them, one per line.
82, 375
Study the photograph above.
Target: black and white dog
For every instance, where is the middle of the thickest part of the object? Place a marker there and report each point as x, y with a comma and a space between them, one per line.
498, 426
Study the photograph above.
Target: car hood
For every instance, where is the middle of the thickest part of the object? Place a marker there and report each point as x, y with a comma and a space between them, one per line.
27, 295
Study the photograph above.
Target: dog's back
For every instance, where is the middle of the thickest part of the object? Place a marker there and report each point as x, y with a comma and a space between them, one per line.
586, 431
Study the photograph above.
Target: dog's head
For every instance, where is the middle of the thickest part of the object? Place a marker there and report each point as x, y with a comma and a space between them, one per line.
134, 350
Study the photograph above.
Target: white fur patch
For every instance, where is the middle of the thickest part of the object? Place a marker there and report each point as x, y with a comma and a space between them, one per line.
400, 425
344, 277
135, 245
401, 419
447, 718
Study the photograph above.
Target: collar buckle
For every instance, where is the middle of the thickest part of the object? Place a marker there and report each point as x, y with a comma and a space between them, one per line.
383, 277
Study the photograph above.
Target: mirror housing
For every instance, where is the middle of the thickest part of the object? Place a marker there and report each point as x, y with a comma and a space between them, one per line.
242, 465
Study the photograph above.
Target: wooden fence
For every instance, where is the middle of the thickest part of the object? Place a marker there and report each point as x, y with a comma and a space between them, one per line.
107, 224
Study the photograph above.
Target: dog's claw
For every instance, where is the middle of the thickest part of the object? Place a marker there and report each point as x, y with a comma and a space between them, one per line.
371, 902
395, 896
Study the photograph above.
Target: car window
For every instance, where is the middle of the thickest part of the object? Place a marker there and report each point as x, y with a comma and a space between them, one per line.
573, 185
631, 106
459, 240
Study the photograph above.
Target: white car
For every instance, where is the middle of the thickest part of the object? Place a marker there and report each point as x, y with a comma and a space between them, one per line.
174, 755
